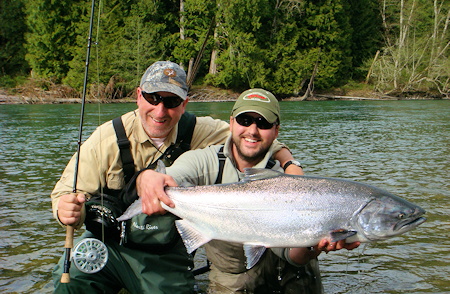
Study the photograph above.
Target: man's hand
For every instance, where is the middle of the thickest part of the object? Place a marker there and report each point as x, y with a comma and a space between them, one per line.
150, 187
327, 246
69, 208
304, 255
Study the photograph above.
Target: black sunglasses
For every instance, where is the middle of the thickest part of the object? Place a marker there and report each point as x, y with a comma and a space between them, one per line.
247, 120
169, 102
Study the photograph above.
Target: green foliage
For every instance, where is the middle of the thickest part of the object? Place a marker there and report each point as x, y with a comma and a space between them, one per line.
243, 28
51, 37
12, 40
131, 36
366, 36
10, 81
277, 45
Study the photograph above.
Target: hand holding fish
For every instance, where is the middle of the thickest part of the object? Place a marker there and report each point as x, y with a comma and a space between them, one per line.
304, 255
326, 246
69, 208
150, 188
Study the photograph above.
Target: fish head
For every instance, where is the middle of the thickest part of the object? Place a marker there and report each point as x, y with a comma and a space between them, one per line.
388, 216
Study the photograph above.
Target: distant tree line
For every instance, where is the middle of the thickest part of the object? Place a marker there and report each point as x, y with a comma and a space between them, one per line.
280, 45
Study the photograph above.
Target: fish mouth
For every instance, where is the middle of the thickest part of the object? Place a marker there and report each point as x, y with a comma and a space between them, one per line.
409, 224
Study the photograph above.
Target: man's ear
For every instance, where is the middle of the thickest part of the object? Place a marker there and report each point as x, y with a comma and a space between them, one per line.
139, 95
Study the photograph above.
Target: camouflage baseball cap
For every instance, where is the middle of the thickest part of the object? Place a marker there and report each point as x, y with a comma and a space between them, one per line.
165, 76
259, 101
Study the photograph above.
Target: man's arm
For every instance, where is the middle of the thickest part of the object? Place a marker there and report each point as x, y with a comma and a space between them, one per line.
90, 177
283, 156
150, 187
192, 167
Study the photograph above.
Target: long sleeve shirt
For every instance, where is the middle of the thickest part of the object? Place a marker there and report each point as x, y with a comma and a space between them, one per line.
100, 165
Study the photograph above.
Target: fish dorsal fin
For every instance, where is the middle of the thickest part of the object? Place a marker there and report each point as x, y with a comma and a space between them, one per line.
253, 254
341, 235
192, 238
253, 174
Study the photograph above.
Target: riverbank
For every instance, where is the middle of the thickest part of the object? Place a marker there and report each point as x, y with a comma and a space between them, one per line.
204, 94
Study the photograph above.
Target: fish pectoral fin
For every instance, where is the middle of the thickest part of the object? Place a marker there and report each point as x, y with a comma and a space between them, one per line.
192, 238
134, 209
253, 254
341, 235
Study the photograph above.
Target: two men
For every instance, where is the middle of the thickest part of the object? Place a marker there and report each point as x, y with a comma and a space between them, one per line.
150, 260
254, 126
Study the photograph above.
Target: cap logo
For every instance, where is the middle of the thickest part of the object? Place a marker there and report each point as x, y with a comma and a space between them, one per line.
170, 72
256, 97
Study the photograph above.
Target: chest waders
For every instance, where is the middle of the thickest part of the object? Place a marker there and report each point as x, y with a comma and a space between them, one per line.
103, 209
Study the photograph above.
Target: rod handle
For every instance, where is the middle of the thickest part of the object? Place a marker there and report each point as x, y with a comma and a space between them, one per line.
69, 237
65, 278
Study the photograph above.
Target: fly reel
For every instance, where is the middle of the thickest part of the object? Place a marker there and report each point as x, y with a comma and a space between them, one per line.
90, 255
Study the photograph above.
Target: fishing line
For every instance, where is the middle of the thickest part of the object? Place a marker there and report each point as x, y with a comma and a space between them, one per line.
99, 109
90, 255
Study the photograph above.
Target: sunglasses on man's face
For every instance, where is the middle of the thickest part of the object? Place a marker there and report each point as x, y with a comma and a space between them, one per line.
169, 102
247, 120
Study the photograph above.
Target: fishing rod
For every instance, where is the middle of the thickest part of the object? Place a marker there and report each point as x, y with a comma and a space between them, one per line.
65, 278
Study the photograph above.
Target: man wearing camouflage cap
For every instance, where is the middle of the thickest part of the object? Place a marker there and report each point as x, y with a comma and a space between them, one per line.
149, 257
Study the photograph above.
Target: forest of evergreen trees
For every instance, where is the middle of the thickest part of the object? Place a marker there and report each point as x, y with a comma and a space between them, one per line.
399, 46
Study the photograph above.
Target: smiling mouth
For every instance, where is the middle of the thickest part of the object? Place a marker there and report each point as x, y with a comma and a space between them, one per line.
160, 121
250, 140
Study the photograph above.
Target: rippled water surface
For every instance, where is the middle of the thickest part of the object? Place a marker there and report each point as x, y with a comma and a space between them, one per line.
400, 146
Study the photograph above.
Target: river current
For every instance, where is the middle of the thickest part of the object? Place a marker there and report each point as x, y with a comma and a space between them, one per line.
400, 146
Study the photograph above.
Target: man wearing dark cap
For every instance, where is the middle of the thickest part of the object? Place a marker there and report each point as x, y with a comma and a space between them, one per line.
149, 257
254, 125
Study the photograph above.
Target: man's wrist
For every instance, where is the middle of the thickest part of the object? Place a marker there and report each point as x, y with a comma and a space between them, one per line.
294, 162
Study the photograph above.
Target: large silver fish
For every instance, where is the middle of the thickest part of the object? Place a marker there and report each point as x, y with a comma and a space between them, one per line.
272, 209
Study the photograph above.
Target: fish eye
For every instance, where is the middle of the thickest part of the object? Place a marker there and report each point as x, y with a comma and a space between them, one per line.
401, 216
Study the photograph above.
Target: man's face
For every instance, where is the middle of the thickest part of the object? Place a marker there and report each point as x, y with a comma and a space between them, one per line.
252, 143
158, 120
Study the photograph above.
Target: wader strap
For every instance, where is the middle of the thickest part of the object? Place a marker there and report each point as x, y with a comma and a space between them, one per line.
186, 127
124, 147
222, 159
270, 163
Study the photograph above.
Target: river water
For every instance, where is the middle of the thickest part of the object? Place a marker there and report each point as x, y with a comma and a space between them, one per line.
400, 146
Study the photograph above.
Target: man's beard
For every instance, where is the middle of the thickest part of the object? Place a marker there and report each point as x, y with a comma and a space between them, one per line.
253, 158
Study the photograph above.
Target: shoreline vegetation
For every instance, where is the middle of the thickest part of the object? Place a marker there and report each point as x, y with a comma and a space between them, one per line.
198, 94
298, 50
